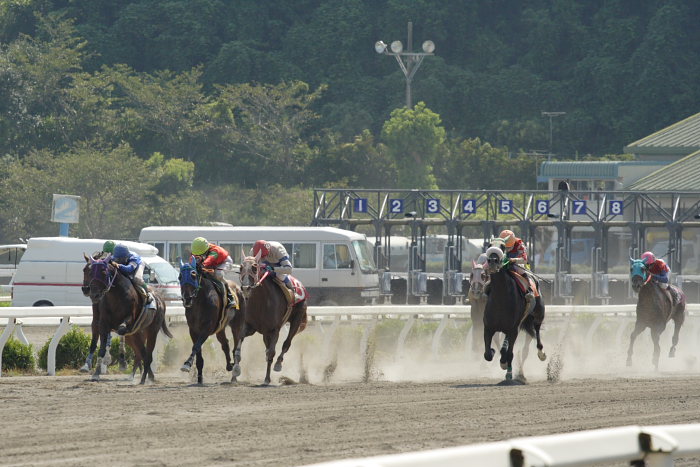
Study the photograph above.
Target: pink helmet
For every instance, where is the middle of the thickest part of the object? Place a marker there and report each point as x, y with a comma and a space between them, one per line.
262, 247
648, 257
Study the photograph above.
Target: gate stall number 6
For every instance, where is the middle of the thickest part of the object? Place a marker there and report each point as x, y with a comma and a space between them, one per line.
542, 206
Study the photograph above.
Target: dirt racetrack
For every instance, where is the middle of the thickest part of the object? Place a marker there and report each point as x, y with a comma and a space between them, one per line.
68, 420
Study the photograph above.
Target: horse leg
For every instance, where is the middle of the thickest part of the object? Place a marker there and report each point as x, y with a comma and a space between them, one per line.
638, 328
138, 358
523, 357
678, 319
151, 336
510, 339
540, 352
245, 332
122, 354
101, 367
504, 352
197, 342
270, 340
477, 316
655, 335
293, 328
488, 351
221, 337
95, 328
147, 358
200, 366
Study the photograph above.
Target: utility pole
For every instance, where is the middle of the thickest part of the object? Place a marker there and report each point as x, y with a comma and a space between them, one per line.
551, 115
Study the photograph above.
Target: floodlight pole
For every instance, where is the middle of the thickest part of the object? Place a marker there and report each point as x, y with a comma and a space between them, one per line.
551, 115
412, 62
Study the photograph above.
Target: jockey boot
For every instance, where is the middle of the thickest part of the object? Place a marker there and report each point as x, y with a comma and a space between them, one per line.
124, 327
229, 294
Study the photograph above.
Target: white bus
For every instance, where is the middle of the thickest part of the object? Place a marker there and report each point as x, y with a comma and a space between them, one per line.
435, 246
50, 272
336, 266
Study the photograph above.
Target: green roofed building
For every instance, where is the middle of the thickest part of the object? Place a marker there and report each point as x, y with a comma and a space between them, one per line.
668, 159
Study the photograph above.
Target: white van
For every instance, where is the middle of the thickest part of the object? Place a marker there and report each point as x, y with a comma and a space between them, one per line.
50, 272
336, 266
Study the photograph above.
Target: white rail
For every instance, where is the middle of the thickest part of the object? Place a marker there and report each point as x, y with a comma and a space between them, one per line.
656, 446
63, 316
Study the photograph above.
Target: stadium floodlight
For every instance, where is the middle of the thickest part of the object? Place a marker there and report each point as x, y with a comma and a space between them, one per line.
412, 61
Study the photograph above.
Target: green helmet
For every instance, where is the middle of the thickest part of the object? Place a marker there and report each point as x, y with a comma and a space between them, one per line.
200, 245
108, 247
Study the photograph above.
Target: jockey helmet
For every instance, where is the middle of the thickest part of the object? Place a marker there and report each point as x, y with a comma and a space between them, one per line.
121, 252
509, 237
200, 245
108, 247
262, 247
648, 258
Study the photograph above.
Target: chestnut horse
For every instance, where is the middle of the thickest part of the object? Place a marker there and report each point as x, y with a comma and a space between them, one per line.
266, 313
205, 315
117, 298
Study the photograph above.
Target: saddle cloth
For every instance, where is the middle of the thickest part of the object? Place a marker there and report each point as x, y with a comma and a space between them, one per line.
300, 292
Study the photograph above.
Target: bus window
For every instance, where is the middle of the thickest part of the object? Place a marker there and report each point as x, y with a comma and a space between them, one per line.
363, 251
161, 248
10, 256
179, 250
304, 255
336, 256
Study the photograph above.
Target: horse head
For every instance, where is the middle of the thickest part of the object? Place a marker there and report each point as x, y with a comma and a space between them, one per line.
638, 274
189, 282
250, 272
478, 277
98, 277
494, 259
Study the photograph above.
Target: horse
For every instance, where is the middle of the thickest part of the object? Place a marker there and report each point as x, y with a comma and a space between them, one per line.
204, 310
506, 312
266, 312
117, 298
654, 309
478, 278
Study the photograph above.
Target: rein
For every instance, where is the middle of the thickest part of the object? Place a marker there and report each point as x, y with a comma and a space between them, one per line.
108, 283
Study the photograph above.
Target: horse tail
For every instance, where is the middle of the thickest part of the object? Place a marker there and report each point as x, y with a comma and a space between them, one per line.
528, 325
164, 328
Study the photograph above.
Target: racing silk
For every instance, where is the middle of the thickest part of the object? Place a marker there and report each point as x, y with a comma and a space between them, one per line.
278, 259
659, 270
518, 251
214, 256
131, 265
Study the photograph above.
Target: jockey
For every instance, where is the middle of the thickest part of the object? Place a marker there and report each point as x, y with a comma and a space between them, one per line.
214, 257
275, 258
516, 251
131, 265
659, 271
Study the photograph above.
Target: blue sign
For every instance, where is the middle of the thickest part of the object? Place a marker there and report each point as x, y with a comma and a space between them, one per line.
66, 209
542, 206
505, 206
579, 207
360, 205
432, 205
616, 207
396, 206
469, 206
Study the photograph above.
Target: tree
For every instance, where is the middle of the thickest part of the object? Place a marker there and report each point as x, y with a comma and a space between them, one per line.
413, 138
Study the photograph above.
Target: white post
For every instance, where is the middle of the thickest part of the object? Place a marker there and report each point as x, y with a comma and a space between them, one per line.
51, 357
5, 337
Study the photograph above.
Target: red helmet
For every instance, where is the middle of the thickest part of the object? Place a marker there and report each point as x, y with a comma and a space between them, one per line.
262, 247
648, 257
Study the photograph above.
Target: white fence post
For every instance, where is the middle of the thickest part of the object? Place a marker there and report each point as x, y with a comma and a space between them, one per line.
51, 357
6, 336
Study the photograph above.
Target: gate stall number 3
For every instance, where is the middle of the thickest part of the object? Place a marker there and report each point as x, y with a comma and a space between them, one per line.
432, 205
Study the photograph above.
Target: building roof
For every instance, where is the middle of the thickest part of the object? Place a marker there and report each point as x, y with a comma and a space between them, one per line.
682, 175
587, 170
681, 138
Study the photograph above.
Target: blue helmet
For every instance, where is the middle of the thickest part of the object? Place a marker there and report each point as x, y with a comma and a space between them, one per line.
120, 252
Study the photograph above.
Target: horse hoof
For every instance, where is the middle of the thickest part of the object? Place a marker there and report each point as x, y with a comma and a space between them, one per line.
186, 368
278, 366
95, 377
229, 367
509, 376
85, 368
504, 365
488, 355
542, 356
236, 371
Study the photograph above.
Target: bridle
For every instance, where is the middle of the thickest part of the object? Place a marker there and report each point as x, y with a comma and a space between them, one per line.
250, 275
95, 267
189, 276
478, 279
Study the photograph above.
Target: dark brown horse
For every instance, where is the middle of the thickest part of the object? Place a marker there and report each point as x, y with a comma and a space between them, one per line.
206, 316
117, 298
266, 313
655, 308
506, 312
